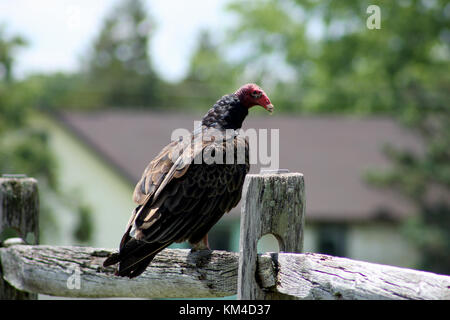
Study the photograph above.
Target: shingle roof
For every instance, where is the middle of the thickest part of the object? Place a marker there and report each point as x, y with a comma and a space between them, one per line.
331, 152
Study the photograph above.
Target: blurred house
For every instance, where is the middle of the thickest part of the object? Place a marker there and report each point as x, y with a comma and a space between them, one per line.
102, 155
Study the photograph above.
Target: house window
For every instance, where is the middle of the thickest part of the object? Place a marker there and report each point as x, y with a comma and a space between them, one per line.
332, 239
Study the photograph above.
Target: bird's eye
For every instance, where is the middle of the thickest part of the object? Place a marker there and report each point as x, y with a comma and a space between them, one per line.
256, 94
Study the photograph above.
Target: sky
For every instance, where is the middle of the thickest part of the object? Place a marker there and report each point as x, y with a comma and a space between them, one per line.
59, 32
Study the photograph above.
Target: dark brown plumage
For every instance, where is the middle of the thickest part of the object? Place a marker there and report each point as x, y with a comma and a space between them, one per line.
182, 192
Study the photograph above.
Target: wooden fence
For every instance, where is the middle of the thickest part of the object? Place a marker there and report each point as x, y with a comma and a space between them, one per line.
272, 203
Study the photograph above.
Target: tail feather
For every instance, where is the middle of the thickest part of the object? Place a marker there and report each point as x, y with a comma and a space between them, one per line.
112, 259
135, 269
134, 257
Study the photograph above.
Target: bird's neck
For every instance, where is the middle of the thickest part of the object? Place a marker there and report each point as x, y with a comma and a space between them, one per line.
227, 113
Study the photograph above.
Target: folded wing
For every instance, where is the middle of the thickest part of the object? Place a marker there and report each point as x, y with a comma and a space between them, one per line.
180, 198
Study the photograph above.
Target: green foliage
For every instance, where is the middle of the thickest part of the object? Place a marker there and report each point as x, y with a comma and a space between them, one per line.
8, 46
115, 72
24, 149
118, 67
28, 152
347, 67
11, 101
59, 91
430, 234
209, 77
85, 227
401, 70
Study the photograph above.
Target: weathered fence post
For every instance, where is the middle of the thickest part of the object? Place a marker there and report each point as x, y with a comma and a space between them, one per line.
273, 203
19, 212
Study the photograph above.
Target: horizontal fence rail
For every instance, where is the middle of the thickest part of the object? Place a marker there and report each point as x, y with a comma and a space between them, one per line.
273, 203
179, 273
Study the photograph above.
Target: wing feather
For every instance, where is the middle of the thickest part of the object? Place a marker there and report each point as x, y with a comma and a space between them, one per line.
180, 200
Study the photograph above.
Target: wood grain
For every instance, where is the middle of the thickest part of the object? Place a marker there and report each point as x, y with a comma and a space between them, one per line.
19, 213
179, 273
272, 204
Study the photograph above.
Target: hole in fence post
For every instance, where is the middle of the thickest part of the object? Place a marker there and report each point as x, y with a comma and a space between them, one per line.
30, 238
268, 243
272, 218
9, 233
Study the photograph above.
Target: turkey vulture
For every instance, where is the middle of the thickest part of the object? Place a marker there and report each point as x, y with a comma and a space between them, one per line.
180, 198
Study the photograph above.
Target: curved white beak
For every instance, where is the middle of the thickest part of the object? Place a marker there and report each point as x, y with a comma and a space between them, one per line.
269, 108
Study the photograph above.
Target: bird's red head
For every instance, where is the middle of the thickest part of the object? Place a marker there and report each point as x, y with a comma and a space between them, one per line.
251, 95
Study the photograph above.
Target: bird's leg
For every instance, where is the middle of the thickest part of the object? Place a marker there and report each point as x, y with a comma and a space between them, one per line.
201, 245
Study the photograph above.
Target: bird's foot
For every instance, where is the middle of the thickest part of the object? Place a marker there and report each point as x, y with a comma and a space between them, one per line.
201, 245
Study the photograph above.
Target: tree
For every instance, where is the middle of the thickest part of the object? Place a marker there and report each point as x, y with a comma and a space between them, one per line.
208, 78
21, 148
339, 65
401, 70
24, 149
8, 47
118, 67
